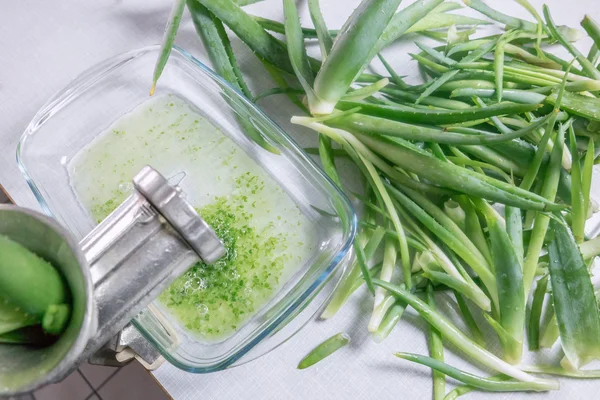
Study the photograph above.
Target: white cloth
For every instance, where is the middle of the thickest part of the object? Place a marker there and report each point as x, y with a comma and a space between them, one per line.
45, 44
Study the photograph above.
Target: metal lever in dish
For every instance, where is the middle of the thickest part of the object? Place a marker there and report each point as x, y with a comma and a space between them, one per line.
138, 250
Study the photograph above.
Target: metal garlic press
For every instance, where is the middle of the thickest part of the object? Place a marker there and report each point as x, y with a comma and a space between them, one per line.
152, 238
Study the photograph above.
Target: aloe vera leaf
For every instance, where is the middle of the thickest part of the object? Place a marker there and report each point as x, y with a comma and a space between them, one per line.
573, 296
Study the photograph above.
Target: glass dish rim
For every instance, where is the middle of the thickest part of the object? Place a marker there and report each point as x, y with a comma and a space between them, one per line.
87, 79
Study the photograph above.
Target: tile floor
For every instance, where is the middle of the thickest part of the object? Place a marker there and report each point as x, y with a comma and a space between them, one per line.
92, 382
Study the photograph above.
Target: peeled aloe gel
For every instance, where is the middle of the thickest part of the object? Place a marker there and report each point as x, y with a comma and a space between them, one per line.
31, 290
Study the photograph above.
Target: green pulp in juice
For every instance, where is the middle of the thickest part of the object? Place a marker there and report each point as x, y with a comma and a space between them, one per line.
266, 236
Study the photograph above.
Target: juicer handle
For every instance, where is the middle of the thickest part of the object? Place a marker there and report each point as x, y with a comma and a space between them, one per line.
141, 248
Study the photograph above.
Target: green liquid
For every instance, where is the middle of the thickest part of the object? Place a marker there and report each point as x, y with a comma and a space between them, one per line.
266, 235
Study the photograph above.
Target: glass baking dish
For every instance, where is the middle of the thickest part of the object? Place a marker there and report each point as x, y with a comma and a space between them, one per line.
93, 101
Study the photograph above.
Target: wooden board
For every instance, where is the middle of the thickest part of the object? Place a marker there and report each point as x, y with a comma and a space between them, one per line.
4, 197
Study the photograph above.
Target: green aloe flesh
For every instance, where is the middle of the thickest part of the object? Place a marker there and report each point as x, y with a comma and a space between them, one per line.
350, 51
573, 297
32, 291
168, 40
217, 44
508, 268
324, 350
27, 280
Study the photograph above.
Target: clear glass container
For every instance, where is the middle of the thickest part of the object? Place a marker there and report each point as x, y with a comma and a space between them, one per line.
101, 95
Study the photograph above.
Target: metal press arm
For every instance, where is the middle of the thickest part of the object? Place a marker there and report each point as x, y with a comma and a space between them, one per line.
141, 248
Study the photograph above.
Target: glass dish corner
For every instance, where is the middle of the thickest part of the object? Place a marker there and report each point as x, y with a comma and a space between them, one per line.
73, 117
